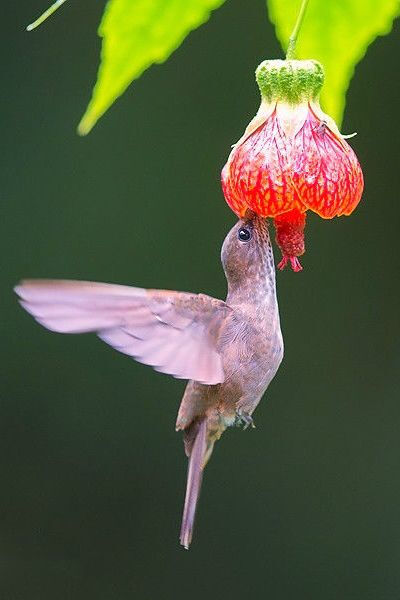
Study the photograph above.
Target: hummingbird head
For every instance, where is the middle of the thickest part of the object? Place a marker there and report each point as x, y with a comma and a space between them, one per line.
246, 253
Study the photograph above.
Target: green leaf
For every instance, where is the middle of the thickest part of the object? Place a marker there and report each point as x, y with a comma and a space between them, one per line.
337, 33
137, 34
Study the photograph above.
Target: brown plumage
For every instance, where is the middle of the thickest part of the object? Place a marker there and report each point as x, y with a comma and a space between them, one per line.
230, 351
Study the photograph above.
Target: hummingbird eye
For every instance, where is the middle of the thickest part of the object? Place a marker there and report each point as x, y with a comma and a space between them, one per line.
244, 234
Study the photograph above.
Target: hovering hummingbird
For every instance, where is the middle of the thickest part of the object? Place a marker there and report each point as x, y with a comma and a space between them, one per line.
230, 351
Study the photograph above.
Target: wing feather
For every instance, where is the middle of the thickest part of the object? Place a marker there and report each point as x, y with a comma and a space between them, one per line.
174, 332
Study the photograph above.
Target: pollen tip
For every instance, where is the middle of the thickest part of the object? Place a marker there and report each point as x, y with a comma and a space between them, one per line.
294, 263
282, 264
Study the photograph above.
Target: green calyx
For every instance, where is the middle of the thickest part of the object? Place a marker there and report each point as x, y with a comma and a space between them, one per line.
291, 81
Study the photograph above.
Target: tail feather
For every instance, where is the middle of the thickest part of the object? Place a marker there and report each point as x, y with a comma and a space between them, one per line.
195, 474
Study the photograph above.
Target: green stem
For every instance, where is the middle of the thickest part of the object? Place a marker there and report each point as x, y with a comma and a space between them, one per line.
45, 15
293, 38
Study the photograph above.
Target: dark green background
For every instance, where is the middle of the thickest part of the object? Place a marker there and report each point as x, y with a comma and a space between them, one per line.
92, 472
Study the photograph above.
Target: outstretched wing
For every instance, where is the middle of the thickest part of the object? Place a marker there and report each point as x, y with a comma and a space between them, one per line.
174, 332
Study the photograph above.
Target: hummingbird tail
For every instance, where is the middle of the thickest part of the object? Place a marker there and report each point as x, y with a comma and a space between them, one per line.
196, 445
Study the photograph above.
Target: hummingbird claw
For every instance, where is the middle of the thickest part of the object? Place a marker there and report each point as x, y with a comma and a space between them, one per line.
244, 419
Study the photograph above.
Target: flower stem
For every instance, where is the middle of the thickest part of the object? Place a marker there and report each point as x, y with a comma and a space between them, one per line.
45, 15
290, 53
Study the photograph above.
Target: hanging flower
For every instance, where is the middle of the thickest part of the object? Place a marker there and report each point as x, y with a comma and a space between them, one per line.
292, 157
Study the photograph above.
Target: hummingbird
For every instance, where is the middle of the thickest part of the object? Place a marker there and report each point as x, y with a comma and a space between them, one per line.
228, 350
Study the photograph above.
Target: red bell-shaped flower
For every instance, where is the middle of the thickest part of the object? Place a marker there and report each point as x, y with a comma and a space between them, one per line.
292, 157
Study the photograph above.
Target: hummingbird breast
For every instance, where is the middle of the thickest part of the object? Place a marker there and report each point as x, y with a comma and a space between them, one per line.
252, 352
250, 361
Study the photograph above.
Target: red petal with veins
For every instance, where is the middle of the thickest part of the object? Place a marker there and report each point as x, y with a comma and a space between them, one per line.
272, 174
325, 170
258, 174
281, 176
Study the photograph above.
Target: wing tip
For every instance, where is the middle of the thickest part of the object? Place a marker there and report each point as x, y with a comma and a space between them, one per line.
18, 289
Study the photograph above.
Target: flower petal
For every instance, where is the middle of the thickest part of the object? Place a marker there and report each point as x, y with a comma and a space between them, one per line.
326, 172
259, 172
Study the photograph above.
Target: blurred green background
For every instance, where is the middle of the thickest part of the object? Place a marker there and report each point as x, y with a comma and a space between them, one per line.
93, 474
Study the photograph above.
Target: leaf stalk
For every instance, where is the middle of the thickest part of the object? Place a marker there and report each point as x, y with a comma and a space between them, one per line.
47, 13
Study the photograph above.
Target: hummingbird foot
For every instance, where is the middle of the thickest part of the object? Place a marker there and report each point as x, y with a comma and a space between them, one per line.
244, 419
